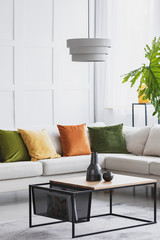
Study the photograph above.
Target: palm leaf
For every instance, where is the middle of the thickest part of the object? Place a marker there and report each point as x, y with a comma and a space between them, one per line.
149, 75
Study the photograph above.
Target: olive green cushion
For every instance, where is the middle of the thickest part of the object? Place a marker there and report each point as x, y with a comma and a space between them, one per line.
108, 139
12, 147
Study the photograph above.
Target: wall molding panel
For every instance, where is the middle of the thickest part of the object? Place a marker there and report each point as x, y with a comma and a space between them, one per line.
39, 84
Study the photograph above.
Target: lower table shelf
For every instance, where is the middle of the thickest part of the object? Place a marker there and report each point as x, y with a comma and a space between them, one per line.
56, 202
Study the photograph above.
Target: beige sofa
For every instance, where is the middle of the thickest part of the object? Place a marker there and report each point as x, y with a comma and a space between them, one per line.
140, 143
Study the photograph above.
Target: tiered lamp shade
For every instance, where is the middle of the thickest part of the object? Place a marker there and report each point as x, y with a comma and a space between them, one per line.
89, 49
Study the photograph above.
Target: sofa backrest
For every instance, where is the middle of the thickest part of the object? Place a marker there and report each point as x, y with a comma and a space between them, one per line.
136, 138
55, 138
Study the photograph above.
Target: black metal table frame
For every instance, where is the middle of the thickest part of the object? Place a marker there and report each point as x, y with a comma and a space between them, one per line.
145, 222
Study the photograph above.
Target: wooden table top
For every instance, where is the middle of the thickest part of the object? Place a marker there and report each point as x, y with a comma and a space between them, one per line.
117, 181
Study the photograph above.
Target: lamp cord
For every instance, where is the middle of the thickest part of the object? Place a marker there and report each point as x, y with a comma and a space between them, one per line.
95, 3
88, 20
95, 16
94, 65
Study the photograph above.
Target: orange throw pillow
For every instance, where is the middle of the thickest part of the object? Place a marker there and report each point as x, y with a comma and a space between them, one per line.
74, 140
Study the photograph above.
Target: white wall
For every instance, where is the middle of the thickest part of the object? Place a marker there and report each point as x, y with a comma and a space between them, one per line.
39, 85
131, 25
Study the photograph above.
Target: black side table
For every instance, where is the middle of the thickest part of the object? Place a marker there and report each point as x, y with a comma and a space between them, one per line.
145, 106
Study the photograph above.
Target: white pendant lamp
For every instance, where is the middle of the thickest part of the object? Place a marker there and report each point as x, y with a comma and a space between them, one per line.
89, 49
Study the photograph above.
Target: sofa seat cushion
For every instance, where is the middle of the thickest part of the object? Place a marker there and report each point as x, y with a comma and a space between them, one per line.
155, 166
68, 164
20, 170
129, 163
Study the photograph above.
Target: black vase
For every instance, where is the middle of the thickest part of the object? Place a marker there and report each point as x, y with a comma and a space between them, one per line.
94, 172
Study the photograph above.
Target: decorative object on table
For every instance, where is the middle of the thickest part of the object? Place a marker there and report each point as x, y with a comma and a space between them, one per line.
148, 75
108, 175
94, 171
142, 99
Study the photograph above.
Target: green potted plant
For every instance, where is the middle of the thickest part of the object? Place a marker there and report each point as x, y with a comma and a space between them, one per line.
148, 75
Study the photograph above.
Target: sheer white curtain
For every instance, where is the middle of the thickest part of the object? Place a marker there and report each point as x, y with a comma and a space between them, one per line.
131, 24
100, 73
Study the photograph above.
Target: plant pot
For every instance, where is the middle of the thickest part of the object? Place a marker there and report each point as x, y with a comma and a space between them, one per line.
140, 99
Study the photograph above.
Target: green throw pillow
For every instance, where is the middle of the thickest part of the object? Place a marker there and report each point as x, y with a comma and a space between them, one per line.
108, 139
12, 147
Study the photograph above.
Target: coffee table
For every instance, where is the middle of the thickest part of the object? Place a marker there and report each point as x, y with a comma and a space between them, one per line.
73, 190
